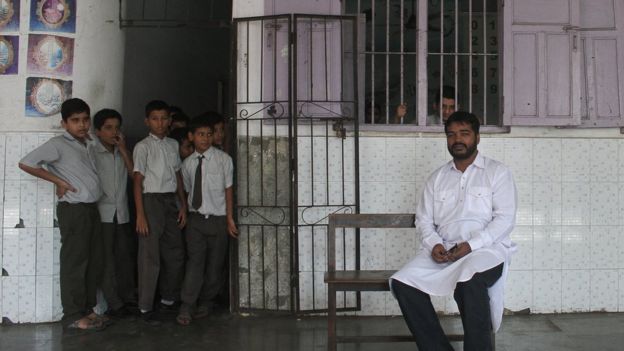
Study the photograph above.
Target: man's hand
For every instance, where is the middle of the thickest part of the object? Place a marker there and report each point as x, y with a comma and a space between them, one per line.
231, 228
141, 226
62, 187
462, 250
401, 111
439, 254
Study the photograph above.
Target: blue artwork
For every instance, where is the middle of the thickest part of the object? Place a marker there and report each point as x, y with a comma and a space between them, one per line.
9, 15
53, 16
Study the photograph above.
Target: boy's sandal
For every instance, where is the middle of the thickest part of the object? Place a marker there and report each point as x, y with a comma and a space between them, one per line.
184, 318
91, 326
202, 312
102, 319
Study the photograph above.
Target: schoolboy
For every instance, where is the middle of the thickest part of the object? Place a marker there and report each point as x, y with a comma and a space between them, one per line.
185, 147
157, 181
207, 175
218, 131
114, 165
71, 168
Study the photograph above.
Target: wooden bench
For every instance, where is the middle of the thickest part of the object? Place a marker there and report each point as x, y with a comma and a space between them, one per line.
360, 280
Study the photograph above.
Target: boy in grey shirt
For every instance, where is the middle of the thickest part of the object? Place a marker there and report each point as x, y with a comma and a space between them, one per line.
71, 168
114, 165
157, 181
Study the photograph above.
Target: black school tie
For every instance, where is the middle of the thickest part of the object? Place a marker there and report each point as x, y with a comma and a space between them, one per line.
197, 185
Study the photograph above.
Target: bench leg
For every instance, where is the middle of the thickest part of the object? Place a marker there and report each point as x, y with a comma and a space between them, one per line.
331, 318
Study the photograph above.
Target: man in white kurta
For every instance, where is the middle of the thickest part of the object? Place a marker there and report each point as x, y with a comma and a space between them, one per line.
465, 216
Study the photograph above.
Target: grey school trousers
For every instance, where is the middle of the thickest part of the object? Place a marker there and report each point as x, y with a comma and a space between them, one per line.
161, 252
80, 257
118, 279
207, 245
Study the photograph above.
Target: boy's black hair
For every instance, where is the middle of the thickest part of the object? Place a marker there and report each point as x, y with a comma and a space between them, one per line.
200, 121
73, 106
213, 118
180, 117
448, 92
174, 110
155, 105
179, 134
465, 118
102, 115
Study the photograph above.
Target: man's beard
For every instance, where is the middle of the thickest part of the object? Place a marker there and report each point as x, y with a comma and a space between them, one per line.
468, 151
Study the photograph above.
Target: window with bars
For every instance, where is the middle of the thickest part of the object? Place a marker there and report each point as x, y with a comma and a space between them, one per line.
422, 59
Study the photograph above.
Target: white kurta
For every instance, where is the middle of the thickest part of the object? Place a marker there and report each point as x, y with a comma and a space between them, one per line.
477, 206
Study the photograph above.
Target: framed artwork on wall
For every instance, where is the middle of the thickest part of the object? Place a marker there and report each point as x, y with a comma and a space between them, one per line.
9, 51
9, 15
53, 16
44, 96
50, 54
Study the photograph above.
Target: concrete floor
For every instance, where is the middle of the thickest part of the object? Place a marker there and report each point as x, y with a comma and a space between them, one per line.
224, 332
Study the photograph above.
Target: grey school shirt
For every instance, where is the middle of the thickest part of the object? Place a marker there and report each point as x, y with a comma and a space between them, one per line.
217, 173
157, 160
70, 160
113, 178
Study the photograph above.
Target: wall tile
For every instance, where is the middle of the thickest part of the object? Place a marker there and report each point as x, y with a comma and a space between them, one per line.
576, 203
576, 246
56, 251
45, 252
575, 285
519, 158
547, 247
493, 148
372, 249
604, 248
400, 155
27, 251
546, 291
392, 306
10, 298
12, 203
601, 164
524, 213
57, 307
431, 154
13, 151
2, 155
45, 204
547, 160
621, 291
547, 203
402, 197
341, 159
27, 299
604, 290
373, 304
400, 247
519, 290
44, 298
576, 160
372, 159
28, 203
523, 258
372, 197
10, 251
605, 204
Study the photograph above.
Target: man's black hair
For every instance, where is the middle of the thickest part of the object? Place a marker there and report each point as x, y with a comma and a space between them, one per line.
73, 106
464, 118
102, 115
155, 105
200, 121
448, 92
179, 134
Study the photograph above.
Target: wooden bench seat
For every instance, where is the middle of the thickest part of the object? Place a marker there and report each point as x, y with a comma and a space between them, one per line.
360, 280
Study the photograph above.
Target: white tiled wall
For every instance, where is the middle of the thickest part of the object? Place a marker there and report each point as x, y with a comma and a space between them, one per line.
29, 245
570, 221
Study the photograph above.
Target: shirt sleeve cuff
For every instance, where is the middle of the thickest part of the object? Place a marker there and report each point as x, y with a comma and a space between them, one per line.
476, 242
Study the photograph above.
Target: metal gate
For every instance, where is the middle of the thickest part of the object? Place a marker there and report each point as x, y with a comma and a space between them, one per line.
296, 146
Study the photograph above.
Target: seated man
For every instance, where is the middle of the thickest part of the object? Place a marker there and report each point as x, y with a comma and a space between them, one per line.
442, 108
465, 216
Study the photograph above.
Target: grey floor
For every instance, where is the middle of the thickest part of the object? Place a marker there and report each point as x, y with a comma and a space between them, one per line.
587, 331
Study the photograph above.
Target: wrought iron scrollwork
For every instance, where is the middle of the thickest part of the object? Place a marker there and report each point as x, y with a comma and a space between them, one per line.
343, 209
275, 109
245, 212
345, 112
